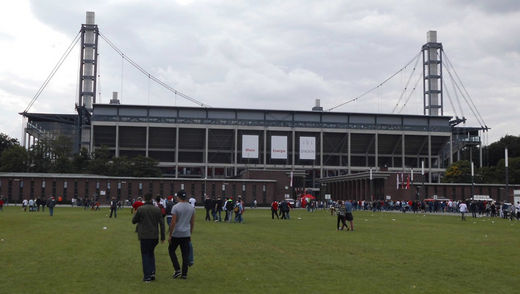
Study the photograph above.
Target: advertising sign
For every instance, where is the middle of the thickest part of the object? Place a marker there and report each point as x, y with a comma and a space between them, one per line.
250, 146
308, 148
279, 147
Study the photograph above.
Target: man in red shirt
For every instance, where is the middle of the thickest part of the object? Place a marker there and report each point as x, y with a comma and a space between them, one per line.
1, 203
136, 204
274, 209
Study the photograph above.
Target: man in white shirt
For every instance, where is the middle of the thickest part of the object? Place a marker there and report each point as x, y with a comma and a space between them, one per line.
192, 201
463, 208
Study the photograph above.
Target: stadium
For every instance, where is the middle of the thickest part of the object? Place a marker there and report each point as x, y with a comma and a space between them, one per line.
267, 154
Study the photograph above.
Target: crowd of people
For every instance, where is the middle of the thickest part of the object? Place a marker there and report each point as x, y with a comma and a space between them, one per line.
215, 206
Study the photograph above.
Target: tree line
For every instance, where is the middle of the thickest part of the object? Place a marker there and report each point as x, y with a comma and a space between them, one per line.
55, 156
494, 172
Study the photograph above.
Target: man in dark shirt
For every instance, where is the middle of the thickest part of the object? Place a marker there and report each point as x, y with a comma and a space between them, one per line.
148, 217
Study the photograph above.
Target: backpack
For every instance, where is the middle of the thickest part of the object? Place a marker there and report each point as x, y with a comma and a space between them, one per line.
169, 205
163, 210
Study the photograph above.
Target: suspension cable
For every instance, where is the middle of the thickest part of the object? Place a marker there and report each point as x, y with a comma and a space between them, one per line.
376, 87
466, 91
53, 72
407, 83
419, 76
150, 76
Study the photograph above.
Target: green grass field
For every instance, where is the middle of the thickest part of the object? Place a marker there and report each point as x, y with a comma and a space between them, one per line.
387, 253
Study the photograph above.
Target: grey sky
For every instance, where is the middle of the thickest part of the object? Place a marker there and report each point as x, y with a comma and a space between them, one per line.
263, 54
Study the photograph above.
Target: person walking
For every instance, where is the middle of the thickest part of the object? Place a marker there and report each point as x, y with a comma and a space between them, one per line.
149, 221
348, 214
207, 206
181, 228
51, 203
1, 203
113, 207
274, 209
341, 212
463, 208
239, 208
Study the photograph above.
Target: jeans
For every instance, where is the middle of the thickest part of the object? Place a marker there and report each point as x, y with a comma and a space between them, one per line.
238, 217
219, 215
191, 259
148, 256
113, 210
51, 211
185, 251
168, 220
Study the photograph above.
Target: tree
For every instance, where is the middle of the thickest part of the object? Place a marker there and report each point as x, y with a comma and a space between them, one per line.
496, 149
458, 172
7, 142
80, 161
39, 158
145, 167
99, 165
14, 159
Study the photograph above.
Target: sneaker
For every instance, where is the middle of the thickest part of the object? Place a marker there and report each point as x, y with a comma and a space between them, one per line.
152, 277
184, 277
176, 274
147, 280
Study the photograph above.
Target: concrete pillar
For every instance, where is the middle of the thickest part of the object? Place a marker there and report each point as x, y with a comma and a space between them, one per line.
348, 153
236, 152
206, 136
376, 148
403, 151
117, 140
265, 147
293, 148
429, 158
176, 152
147, 139
321, 154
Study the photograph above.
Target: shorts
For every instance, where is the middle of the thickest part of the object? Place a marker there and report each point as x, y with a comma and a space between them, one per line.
349, 216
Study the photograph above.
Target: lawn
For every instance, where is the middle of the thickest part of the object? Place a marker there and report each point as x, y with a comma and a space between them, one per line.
387, 253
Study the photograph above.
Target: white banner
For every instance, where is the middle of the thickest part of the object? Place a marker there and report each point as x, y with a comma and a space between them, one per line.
308, 148
279, 147
249, 146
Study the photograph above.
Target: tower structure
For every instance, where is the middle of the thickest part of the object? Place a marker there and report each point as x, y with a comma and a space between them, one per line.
432, 75
87, 79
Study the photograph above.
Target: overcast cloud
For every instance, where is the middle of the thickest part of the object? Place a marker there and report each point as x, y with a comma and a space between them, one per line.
264, 54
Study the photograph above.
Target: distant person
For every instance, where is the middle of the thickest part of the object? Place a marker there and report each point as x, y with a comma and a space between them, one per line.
463, 208
169, 206
341, 212
192, 201
149, 220
348, 215
207, 206
137, 204
24, 204
181, 228
51, 203
274, 209
1, 203
113, 207
229, 209
517, 210
238, 209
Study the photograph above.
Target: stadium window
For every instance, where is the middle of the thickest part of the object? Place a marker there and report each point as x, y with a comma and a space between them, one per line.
129, 190
53, 188
213, 188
